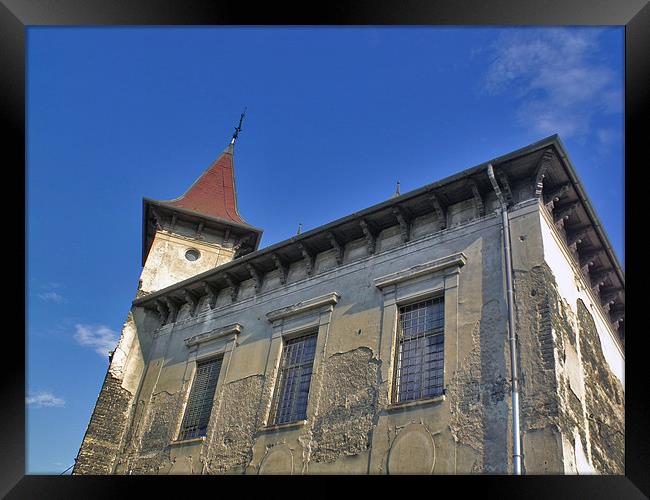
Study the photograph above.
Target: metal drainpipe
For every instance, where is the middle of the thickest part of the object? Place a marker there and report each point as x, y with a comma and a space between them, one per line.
516, 441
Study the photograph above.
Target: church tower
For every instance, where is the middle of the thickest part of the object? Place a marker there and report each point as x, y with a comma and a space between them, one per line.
181, 238
198, 231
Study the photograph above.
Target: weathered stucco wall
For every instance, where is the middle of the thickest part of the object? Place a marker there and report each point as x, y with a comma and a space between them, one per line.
102, 447
166, 263
353, 426
569, 360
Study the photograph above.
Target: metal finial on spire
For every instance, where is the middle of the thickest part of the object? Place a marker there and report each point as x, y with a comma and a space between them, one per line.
397, 193
299, 228
238, 128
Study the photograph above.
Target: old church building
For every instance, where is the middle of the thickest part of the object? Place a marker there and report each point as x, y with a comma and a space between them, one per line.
474, 325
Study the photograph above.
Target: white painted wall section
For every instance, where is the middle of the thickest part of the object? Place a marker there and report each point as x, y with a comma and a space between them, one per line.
571, 287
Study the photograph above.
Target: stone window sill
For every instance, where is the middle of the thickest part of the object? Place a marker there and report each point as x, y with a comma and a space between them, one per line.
277, 427
417, 402
182, 442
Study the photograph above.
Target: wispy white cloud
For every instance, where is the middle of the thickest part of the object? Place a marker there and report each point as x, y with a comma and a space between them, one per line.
556, 77
99, 337
52, 297
44, 399
51, 285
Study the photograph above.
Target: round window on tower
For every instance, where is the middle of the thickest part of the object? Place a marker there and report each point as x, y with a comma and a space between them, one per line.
192, 254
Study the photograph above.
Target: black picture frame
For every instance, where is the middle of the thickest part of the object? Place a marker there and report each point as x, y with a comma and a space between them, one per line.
17, 15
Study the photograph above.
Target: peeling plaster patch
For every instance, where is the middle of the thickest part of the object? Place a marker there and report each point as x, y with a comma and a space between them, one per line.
477, 394
160, 421
537, 322
553, 383
347, 406
571, 376
465, 401
118, 361
574, 372
582, 463
233, 428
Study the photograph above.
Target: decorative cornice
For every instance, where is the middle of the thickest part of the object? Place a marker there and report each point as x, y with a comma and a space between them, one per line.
587, 257
157, 221
281, 266
478, 199
338, 248
433, 266
219, 333
370, 235
211, 292
256, 275
441, 213
163, 312
544, 163
604, 295
378, 217
553, 196
577, 235
309, 256
561, 215
404, 221
233, 284
191, 299
601, 274
172, 306
505, 185
303, 306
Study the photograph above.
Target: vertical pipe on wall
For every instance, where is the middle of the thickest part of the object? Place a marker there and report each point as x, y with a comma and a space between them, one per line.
516, 441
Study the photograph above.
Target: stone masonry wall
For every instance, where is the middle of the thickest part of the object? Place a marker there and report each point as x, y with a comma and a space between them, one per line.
104, 434
568, 393
605, 401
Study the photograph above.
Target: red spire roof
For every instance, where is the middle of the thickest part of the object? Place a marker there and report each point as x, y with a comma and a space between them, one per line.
213, 193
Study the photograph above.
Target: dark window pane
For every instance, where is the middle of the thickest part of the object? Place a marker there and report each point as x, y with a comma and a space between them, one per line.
420, 351
199, 405
291, 396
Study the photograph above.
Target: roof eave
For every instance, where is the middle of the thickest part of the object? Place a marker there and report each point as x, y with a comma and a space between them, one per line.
146, 202
591, 212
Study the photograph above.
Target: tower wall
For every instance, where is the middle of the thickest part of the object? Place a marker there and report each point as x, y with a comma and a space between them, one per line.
166, 263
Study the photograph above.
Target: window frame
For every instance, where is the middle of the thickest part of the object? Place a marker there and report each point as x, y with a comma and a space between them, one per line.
296, 320
280, 386
399, 341
435, 278
203, 347
199, 363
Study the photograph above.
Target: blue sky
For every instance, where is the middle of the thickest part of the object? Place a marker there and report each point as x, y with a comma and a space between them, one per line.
335, 117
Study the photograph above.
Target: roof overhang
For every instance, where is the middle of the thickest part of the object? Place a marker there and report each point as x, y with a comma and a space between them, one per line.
191, 215
519, 166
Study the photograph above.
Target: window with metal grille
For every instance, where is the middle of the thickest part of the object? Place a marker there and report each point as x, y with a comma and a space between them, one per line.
420, 362
290, 401
199, 406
